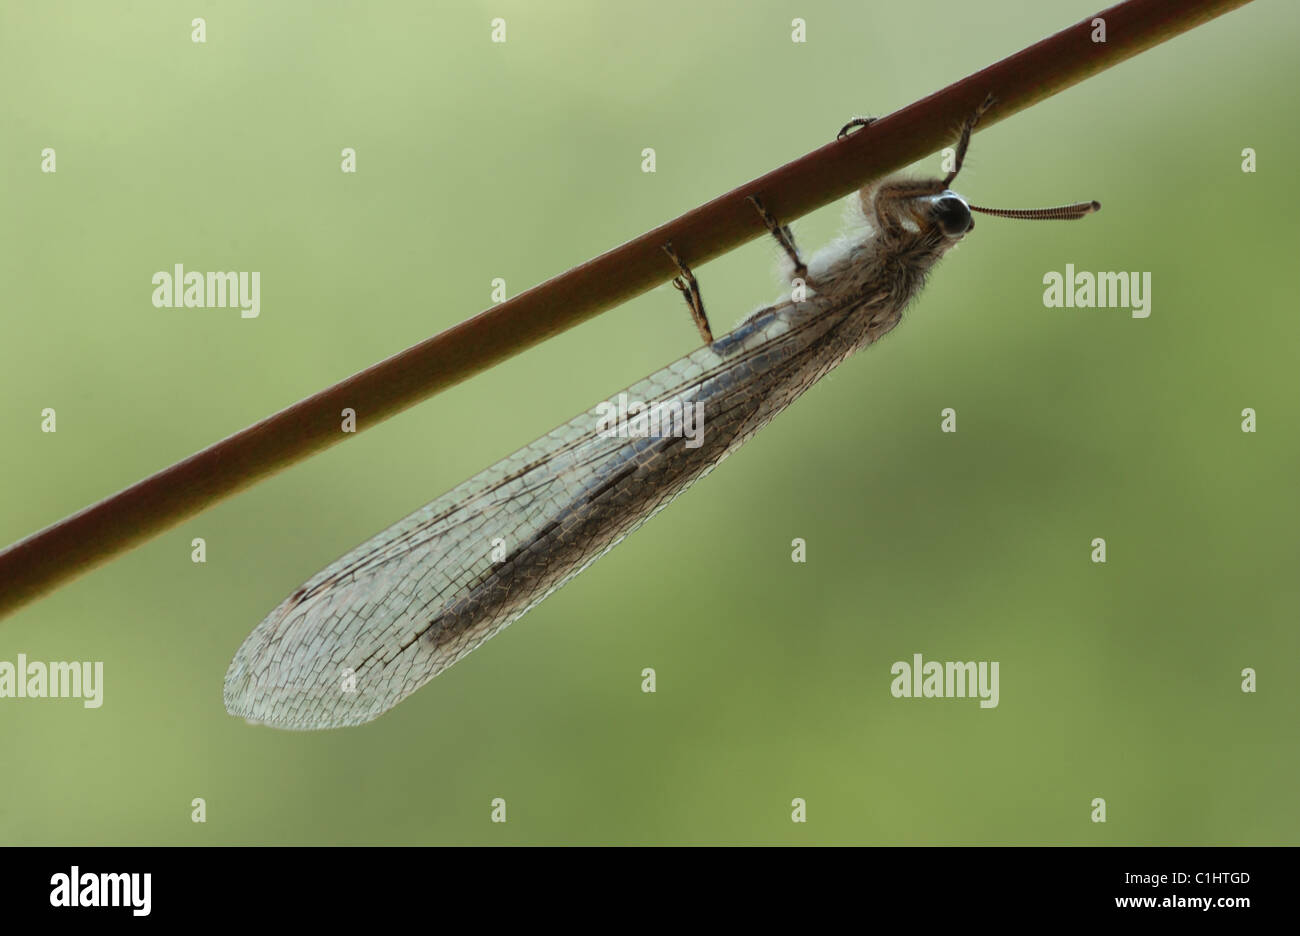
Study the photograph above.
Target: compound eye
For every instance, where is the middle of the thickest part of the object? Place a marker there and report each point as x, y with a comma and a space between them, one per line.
952, 215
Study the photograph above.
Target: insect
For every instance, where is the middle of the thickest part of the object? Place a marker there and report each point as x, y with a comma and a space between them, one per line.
383, 620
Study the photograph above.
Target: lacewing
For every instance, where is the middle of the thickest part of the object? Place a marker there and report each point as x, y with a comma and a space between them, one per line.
371, 628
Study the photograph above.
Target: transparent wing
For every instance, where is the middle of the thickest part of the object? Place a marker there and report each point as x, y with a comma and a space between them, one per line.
387, 617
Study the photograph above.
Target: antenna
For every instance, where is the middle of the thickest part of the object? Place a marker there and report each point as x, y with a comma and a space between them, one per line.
1061, 213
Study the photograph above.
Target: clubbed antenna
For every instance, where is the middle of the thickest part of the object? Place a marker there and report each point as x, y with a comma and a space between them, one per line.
1062, 213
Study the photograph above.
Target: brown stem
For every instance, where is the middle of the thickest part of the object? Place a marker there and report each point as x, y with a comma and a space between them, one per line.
60, 552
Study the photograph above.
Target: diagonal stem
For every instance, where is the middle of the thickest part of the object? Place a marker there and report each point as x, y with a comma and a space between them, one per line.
37, 564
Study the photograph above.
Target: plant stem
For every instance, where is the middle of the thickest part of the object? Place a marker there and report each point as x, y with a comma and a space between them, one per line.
37, 564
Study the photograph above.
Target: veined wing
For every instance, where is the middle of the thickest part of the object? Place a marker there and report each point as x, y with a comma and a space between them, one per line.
387, 617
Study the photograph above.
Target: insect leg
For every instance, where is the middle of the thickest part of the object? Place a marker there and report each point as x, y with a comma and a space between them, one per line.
784, 236
690, 288
964, 140
890, 195
885, 202
855, 122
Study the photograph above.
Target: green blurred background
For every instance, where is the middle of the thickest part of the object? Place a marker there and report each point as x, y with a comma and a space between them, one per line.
520, 160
